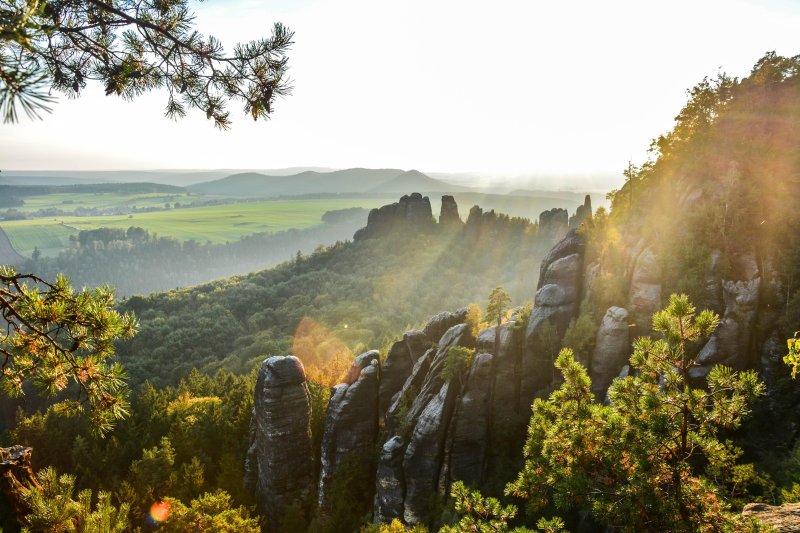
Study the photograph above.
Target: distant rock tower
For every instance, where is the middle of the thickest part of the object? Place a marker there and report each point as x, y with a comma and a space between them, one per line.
448, 216
583, 213
554, 223
412, 213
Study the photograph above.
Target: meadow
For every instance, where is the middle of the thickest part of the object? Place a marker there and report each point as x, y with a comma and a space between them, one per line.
69, 201
215, 223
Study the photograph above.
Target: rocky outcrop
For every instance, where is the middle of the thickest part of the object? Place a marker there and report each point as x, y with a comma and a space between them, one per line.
351, 423
783, 518
612, 350
411, 214
280, 459
418, 421
644, 293
439, 324
448, 216
399, 362
554, 223
730, 344
470, 431
555, 304
582, 213
16, 477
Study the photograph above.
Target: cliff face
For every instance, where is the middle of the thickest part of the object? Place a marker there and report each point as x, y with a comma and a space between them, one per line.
426, 425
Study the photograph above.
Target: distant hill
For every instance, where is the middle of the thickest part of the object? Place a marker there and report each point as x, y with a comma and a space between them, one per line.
169, 177
250, 184
415, 181
90, 188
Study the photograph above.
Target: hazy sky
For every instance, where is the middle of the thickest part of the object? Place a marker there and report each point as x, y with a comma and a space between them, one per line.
499, 87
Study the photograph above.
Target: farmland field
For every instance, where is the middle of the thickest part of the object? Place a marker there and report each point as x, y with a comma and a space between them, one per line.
69, 201
218, 223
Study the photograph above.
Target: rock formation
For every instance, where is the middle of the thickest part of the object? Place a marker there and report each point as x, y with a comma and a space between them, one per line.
279, 459
783, 518
351, 422
582, 213
449, 213
611, 351
555, 304
554, 223
412, 214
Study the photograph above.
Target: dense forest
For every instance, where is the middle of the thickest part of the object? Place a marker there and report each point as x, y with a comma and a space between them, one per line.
653, 355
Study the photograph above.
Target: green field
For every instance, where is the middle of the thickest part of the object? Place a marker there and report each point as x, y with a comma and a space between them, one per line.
69, 201
219, 223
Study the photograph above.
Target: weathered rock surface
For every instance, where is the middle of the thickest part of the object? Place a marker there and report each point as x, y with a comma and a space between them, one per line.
612, 350
351, 423
470, 431
421, 430
783, 518
448, 216
439, 324
389, 481
730, 344
582, 213
280, 457
555, 304
423, 457
644, 294
398, 365
554, 223
411, 214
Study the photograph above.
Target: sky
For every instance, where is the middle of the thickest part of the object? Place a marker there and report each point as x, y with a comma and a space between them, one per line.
500, 89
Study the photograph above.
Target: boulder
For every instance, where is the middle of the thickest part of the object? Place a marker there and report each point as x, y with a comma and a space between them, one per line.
351, 423
612, 350
280, 452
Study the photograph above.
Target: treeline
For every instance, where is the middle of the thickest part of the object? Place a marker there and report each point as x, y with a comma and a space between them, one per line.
135, 261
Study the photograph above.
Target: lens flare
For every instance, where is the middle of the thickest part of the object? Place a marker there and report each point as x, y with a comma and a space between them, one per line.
159, 511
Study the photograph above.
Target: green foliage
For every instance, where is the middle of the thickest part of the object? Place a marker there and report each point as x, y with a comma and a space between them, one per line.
457, 362
793, 357
57, 337
581, 334
54, 510
638, 463
480, 514
209, 512
497, 306
133, 49
395, 526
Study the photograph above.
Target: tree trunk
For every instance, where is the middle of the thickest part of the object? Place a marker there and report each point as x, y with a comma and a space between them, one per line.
16, 475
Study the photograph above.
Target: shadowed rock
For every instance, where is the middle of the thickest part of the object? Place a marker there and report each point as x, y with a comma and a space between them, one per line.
411, 214
398, 365
448, 215
644, 295
554, 223
280, 456
351, 423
